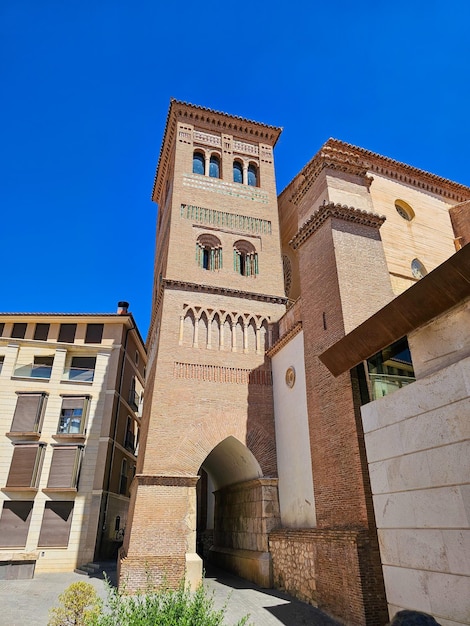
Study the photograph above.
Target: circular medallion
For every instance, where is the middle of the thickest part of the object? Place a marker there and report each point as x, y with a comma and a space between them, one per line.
290, 377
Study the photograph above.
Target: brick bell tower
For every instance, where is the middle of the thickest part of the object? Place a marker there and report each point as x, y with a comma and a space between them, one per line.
208, 405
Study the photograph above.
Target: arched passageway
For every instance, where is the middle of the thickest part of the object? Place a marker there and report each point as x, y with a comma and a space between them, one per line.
236, 509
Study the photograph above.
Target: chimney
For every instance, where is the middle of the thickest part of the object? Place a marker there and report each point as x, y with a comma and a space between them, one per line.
122, 307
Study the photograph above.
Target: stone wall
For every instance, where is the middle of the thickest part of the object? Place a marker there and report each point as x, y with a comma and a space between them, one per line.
336, 570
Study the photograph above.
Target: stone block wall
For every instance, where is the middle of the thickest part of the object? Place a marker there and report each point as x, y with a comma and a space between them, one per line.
245, 514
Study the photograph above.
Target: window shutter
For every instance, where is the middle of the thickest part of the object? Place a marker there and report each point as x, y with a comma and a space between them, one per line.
56, 523
94, 333
41, 332
67, 333
64, 466
23, 465
14, 523
27, 413
73, 403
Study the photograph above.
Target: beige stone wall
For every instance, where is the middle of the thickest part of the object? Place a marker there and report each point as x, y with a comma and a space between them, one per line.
418, 450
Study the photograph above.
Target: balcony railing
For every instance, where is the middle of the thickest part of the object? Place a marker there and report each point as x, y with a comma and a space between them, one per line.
33, 370
383, 384
79, 374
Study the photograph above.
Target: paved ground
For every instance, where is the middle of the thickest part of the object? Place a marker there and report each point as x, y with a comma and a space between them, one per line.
27, 602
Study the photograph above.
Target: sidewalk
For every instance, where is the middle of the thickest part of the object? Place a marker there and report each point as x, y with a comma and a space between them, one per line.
27, 602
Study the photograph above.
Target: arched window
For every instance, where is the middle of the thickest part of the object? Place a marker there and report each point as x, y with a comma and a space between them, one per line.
199, 163
214, 167
252, 175
209, 252
237, 172
245, 258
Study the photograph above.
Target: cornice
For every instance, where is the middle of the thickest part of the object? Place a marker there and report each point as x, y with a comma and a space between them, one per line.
339, 211
345, 157
169, 283
223, 122
280, 343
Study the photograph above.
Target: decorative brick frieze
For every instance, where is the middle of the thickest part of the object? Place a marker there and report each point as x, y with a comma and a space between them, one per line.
236, 190
243, 223
220, 374
167, 481
206, 139
225, 291
339, 211
290, 334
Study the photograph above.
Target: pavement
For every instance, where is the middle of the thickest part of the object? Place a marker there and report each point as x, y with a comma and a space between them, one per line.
27, 602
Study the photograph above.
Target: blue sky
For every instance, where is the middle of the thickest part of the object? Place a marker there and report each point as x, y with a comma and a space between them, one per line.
85, 88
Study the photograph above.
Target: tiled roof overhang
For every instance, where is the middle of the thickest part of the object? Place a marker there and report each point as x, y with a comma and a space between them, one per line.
433, 295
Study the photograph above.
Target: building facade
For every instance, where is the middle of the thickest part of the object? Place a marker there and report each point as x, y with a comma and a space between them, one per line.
71, 389
254, 452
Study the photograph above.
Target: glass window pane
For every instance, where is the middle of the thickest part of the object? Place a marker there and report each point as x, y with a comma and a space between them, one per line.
214, 168
252, 176
198, 163
237, 172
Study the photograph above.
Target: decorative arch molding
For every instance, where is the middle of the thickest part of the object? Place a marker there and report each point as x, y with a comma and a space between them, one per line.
207, 433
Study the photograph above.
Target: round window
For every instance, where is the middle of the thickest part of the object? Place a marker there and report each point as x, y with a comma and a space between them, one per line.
404, 210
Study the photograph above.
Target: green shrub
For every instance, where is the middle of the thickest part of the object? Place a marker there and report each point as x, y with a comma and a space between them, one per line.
79, 606
162, 607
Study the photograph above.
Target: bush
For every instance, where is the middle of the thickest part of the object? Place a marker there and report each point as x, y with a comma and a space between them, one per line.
163, 606
79, 606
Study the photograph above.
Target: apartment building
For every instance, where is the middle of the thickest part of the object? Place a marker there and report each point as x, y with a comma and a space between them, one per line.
71, 391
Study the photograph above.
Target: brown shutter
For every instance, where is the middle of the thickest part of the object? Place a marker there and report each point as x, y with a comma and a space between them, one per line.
73, 403
56, 522
94, 333
19, 330
63, 472
67, 332
41, 332
27, 412
14, 523
23, 464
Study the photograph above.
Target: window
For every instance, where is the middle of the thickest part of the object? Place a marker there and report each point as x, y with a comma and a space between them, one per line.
29, 412
42, 367
199, 163
209, 252
67, 333
245, 258
94, 333
19, 331
82, 369
41, 332
252, 175
2, 326
73, 415
14, 523
129, 439
26, 465
417, 269
214, 167
65, 467
2, 358
133, 395
404, 210
136, 358
390, 369
237, 172
56, 523
123, 478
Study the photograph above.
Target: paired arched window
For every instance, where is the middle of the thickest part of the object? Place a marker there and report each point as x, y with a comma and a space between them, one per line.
214, 166
245, 258
209, 252
199, 163
237, 172
252, 175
